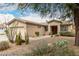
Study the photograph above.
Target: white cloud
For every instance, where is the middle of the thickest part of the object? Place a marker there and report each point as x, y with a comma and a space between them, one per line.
35, 19
5, 17
7, 6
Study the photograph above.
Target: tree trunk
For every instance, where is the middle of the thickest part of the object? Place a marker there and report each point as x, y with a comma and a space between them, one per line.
76, 21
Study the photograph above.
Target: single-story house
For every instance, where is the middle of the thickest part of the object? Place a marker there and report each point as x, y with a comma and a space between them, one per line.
33, 28
25, 26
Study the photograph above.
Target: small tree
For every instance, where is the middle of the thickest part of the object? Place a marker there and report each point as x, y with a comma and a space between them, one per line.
10, 35
18, 39
37, 33
26, 38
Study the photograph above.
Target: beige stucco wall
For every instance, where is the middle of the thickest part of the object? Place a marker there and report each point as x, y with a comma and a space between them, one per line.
30, 28
22, 28
71, 28
35, 28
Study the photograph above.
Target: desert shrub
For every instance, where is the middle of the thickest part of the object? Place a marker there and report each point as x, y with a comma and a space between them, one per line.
57, 35
10, 34
61, 43
26, 38
18, 39
23, 41
40, 49
51, 34
4, 45
37, 33
67, 34
59, 48
44, 34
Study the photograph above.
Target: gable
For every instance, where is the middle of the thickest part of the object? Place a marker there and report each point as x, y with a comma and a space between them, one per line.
54, 23
16, 23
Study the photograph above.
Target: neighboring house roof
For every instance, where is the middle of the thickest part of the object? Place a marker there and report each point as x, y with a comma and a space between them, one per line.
26, 21
2, 26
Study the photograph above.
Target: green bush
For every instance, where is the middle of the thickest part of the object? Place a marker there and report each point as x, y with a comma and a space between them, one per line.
37, 33
18, 39
67, 34
60, 48
4, 45
61, 43
26, 38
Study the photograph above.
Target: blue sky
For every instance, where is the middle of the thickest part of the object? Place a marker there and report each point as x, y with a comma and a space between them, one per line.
16, 13
11, 9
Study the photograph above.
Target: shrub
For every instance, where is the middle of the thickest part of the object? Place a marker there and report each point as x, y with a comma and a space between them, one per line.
4, 45
40, 48
37, 33
18, 39
60, 48
44, 34
67, 34
10, 34
61, 43
57, 35
50, 33
23, 41
26, 38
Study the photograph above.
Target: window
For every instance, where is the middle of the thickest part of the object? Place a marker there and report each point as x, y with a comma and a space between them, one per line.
39, 26
64, 28
46, 28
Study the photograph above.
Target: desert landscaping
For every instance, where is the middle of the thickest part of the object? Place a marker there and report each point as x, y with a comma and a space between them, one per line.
24, 49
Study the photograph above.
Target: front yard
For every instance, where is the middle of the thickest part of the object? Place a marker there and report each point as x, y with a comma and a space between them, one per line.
22, 49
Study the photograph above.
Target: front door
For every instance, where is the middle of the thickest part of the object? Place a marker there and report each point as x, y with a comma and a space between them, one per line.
54, 29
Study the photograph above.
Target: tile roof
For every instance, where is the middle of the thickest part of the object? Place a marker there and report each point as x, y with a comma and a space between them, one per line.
26, 21
2, 26
62, 22
42, 24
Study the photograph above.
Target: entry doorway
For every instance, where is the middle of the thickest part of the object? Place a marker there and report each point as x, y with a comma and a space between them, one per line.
54, 29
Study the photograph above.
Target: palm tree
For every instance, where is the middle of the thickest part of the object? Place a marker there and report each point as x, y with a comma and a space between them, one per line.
66, 10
